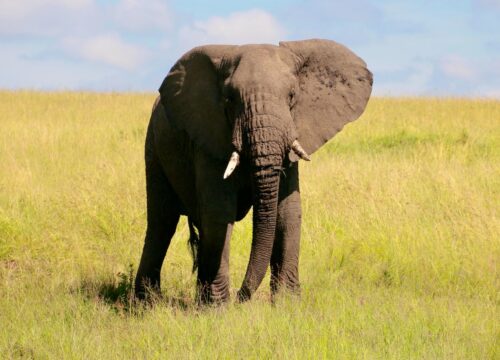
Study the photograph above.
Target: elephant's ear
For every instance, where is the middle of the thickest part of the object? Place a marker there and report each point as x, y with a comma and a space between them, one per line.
333, 88
192, 97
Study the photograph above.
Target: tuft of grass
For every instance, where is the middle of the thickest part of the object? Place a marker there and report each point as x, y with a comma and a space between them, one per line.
117, 292
399, 252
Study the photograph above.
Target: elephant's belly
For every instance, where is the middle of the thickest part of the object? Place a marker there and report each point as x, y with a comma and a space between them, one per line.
181, 178
196, 180
175, 157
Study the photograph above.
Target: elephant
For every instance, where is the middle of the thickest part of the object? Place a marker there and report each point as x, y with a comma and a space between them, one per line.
226, 133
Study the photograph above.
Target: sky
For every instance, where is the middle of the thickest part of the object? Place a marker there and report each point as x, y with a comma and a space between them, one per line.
413, 48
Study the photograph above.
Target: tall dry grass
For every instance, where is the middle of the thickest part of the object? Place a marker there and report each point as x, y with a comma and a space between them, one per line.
400, 240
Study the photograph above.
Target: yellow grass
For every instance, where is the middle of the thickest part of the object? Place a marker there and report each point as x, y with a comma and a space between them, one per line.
400, 240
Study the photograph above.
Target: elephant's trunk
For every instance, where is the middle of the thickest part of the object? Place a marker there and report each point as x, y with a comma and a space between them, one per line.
266, 147
265, 209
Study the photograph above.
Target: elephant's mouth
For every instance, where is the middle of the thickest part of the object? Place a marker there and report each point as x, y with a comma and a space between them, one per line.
234, 159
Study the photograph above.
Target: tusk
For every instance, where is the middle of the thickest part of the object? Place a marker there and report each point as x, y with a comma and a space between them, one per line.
234, 160
299, 150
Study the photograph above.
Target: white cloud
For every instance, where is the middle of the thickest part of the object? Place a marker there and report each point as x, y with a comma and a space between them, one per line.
9, 8
417, 81
83, 17
41, 17
139, 15
252, 26
489, 3
108, 49
490, 92
18, 71
420, 79
457, 67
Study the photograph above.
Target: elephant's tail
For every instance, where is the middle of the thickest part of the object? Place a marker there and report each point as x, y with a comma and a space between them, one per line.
194, 243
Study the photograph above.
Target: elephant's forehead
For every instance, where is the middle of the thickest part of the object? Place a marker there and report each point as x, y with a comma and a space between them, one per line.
257, 47
260, 62
258, 54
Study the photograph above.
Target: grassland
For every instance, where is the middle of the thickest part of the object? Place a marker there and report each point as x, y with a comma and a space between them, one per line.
400, 245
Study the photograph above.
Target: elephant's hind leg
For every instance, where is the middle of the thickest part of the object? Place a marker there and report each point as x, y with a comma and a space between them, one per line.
163, 214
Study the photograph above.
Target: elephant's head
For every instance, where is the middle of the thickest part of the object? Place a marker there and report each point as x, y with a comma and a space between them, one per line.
264, 103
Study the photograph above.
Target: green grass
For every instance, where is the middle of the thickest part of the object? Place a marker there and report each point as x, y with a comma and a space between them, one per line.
400, 240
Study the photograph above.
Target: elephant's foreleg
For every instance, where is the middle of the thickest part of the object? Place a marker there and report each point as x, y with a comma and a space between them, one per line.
213, 262
163, 215
285, 256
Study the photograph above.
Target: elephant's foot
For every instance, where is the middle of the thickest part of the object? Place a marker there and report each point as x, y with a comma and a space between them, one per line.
243, 295
285, 281
147, 288
216, 293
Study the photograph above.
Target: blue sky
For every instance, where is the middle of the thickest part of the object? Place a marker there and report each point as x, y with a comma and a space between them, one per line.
440, 47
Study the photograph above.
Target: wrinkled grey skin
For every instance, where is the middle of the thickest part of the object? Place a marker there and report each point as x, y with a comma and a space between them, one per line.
255, 100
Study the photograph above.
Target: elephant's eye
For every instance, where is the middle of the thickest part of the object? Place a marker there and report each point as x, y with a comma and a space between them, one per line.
291, 99
228, 101
229, 97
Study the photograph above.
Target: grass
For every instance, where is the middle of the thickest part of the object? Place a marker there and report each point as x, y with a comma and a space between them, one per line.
400, 241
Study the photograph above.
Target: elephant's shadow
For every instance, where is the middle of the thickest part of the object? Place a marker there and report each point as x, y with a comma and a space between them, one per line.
117, 293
